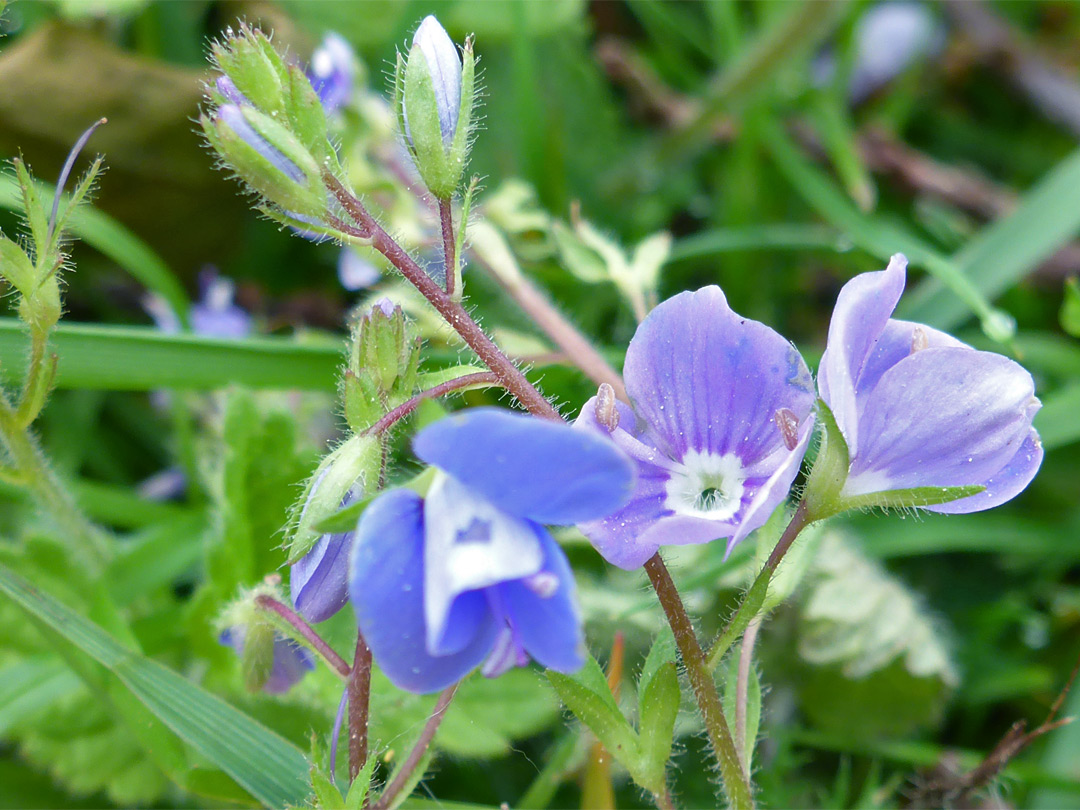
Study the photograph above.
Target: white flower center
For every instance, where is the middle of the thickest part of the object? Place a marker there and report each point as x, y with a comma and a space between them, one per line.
706, 485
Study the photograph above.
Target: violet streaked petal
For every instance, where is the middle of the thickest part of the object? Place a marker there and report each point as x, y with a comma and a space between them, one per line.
1004, 485
291, 663
942, 417
773, 492
469, 544
708, 380
332, 71
229, 91
859, 318
444, 65
548, 627
231, 116
318, 581
386, 586
531, 468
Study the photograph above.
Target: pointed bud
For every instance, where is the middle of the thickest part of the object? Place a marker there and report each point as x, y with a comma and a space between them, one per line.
435, 88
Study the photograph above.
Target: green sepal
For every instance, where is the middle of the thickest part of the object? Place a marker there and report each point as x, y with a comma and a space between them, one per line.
383, 366
41, 309
306, 115
257, 661
37, 214
16, 267
355, 462
459, 145
360, 395
424, 137
914, 497
257, 70
830, 470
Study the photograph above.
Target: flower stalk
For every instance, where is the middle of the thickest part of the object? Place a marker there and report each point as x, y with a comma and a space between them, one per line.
307, 632
359, 690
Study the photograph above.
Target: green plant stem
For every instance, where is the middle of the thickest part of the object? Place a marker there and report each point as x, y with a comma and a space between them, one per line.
359, 689
405, 408
452, 311
307, 632
742, 685
404, 774
52, 498
40, 372
735, 783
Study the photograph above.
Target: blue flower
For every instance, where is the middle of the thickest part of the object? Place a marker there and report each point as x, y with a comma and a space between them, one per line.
332, 72
213, 315
318, 581
469, 575
720, 421
918, 408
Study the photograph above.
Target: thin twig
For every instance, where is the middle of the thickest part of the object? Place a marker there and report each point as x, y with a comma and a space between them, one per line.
736, 785
742, 686
450, 386
452, 311
405, 773
336, 662
359, 690
446, 219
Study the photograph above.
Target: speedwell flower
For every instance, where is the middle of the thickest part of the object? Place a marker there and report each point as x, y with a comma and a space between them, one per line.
332, 71
720, 421
918, 408
290, 662
468, 575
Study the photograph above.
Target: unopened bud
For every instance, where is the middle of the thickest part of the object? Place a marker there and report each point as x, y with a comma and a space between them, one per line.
382, 365
606, 412
788, 423
919, 340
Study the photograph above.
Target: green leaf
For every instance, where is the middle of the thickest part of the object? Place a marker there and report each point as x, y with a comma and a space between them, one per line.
1056, 421
913, 497
659, 697
583, 261
1009, 248
768, 238
273, 770
589, 697
1070, 308
128, 358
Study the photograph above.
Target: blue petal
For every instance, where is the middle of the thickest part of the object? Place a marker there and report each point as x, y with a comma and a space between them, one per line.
544, 471
707, 380
318, 580
386, 586
291, 663
1004, 485
548, 624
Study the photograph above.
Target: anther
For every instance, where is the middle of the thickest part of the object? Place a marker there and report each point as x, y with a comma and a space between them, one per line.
919, 340
788, 423
606, 412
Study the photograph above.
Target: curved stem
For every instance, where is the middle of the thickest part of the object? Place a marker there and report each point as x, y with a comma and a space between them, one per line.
450, 386
452, 311
359, 689
736, 785
408, 768
335, 661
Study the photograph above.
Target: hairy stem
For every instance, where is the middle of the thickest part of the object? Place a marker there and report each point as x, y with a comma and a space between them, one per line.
736, 785
359, 689
742, 686
306, 631
405, 773
452, 311
554, 324
446, 219
392, 417
53, 499
799, 521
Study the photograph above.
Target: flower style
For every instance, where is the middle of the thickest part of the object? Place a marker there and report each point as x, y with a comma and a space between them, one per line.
468, 574
918, 408
332, 72
720, 421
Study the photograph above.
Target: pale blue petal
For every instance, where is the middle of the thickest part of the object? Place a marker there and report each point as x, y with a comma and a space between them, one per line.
708, 380
942, 417
386, 586
859, 318
1004, 485
444, 64
528, 467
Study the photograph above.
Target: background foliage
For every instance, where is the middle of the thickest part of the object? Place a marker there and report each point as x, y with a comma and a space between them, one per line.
912, 644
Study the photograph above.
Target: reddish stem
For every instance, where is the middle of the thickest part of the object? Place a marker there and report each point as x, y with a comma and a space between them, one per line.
446, 218
359, 690
452, 311
405, 408
336, 662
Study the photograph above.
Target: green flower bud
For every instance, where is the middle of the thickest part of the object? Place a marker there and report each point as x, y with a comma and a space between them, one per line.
434, 93
382, 366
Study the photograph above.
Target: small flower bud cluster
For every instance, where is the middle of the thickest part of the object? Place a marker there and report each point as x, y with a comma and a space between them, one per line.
267, 122
434, 94
382, 366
